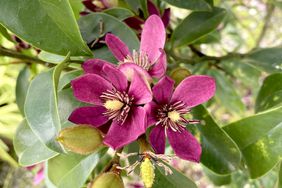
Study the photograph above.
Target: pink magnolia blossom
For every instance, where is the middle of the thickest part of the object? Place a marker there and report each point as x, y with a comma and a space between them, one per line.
114, 100
166, 112
150, 61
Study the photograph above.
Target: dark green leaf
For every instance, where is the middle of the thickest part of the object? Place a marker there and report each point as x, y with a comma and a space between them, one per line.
67, 77
21, 87
175, 180
219, 152
200, 5
135, 5
216, 179
213, 37
119, 13
49, 25
71, 170
259, 139
270, 94
29, 148
267, 59
197, 25
226, 93
5, 33
90, 26
41, 106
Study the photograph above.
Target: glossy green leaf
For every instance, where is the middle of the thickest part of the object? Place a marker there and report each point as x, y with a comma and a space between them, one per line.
259, 139
71, 170
219, 152
49, 25
41, 108
226, 94
270, 94
91, 30
77, 7
81, 139
200, 5
67, 77
135, 5
21, 87
197, 25
119, 13
216, 179
175, 180
266, 59
280, 177
66, 104
30, 150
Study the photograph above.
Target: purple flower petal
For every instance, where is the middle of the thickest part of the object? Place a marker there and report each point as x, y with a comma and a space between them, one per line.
151, 109
116, 77
128, 70
39, 177
163, 90
157, 139
166, 17
159, 68
91, 115
117, 47
88, 88
140, 89
134, 22
185, 145
152, 9
121, 135
194, 90
153, 37
94, 66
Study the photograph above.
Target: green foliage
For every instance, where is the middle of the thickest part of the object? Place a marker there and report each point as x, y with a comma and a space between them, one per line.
49, 25
197, 25
200, 5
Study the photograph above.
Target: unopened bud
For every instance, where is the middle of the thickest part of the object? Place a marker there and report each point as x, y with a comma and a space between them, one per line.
81, 139
179, 74
108, 180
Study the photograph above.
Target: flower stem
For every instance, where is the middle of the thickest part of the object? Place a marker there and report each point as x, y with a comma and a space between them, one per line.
143, 144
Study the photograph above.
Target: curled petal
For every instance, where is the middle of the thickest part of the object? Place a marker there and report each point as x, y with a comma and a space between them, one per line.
157, 139
117, 47
185, 145
166, 17
94, 66
159, 68
194, 90
88, 88
116, 77
152, 9
91, 115
163, 90
121, 135
153, 37
151, 111
140, 89
128, 70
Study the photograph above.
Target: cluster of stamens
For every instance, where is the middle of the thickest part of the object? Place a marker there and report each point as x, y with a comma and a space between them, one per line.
171, 116
118, 104
139, 58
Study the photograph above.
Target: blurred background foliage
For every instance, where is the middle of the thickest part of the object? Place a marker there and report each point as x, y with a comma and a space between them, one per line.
239, 44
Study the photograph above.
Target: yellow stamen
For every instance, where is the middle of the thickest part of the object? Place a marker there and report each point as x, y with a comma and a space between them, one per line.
147, 172
174, 116
113, 104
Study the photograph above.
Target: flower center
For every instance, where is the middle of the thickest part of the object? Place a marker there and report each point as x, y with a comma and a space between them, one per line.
171, 116
118, 105
113, 105
139, 58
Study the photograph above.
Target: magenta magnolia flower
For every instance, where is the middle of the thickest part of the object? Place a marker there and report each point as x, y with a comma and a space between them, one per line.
114, 101
151, 59
167, 112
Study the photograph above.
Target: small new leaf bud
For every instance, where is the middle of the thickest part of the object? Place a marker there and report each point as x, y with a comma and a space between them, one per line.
108, 180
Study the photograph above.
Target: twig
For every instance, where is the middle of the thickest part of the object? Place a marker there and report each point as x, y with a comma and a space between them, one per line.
270, 10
